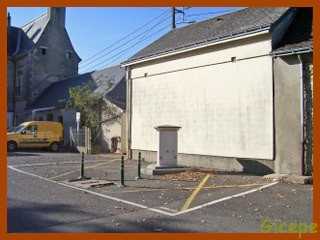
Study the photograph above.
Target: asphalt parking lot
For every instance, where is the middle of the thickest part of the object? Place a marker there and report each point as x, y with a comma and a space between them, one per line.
191, 201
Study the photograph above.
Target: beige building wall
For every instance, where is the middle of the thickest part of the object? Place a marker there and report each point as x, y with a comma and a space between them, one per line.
224, 107
288, 114
113, 128
110, 130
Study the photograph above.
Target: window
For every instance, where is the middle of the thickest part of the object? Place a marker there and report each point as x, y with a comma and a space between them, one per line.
18, 85
43, 50
32, 129
69, 54
50, 116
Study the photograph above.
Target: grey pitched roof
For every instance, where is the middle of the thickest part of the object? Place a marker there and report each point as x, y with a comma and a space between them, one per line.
201, 33
299, 35
118, 94
18, 42
114, 76
35, 28
57, 94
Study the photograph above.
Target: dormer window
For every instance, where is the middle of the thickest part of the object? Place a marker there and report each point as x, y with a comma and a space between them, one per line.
43, 50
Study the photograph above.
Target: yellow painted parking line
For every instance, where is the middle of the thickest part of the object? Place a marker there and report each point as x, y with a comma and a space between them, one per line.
73, 171
194, 193
119, 200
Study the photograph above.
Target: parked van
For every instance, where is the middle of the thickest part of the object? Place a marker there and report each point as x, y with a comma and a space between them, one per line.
35, 134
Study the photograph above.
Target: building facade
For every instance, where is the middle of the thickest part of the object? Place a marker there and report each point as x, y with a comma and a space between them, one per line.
234, 84
40, 53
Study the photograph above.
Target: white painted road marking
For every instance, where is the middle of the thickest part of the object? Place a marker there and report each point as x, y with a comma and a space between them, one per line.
169, 209
92, 192
89, 167
58, 163
143, 206
227, 198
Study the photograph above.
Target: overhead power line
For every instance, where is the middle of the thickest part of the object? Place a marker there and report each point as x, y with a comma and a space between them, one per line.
160, 30
162, 20
126, 36
118, 55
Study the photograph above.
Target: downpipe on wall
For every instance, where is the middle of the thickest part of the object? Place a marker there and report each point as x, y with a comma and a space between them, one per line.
302, 137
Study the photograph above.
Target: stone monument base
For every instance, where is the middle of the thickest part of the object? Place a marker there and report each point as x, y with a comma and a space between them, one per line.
153, 169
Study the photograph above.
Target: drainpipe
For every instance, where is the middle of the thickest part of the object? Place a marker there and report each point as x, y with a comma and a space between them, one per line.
129, 111
34, 111
302, 113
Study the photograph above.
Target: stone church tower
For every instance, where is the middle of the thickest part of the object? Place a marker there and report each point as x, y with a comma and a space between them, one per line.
39, 53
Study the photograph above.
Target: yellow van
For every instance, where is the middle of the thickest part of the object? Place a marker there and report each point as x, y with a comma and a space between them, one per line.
35, 134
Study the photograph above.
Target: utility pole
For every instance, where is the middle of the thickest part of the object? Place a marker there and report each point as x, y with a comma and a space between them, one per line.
175, 10
173, 17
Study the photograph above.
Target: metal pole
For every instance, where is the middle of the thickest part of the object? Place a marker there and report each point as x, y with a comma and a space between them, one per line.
82, 166
139, 166
122, 171
173, 9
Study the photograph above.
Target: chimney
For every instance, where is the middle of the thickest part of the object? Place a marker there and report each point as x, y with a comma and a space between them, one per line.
9, 20
57, 15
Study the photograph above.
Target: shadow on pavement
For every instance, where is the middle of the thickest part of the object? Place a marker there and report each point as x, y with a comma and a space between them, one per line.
39, 217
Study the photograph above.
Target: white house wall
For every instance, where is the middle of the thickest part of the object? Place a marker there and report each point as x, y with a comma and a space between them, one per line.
224, 109
109, 130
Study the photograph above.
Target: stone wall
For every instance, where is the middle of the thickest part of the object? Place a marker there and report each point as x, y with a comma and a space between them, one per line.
308, 114
54, 65
36, 70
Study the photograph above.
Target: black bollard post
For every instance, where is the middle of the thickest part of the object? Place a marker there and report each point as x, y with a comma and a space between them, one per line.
82, 176
122, 171
82, 166
139, 166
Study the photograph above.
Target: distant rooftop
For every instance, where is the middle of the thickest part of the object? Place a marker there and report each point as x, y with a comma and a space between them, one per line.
57, 94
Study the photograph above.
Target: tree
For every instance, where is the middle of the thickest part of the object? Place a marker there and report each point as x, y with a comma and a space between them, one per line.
90, 105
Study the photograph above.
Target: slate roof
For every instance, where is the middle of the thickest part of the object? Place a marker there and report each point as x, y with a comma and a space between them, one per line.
21, 40
35, 28
18, 42
202, 33
299, 35
31, 33
57, 94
